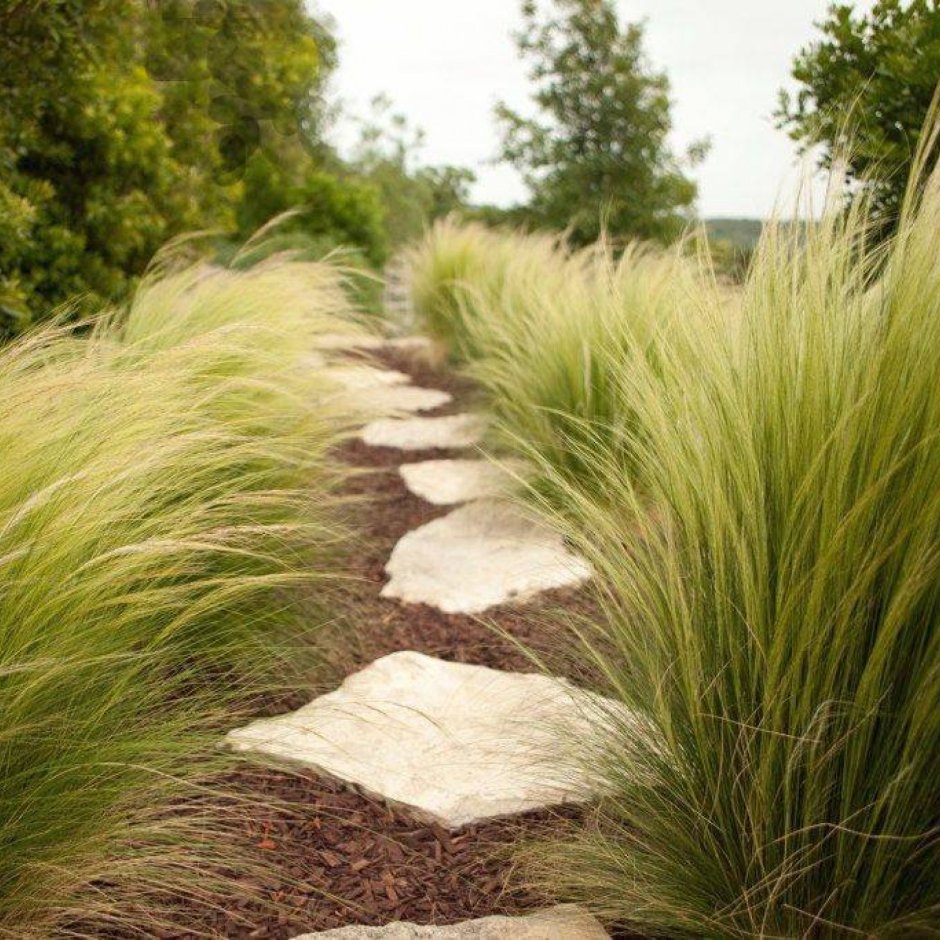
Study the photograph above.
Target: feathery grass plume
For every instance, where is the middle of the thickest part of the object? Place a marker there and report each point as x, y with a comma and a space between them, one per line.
775, 617
178, 303
454, 265
250, 338
548, 333
553, 346
244, 344
161, 498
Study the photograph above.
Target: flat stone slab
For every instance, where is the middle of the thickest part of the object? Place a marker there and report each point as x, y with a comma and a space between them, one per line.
362, 378
345, 341
564, 922
360, 341
452, 743
402, 398
448, 482
411, 344
314, 360
483, 554
452, 431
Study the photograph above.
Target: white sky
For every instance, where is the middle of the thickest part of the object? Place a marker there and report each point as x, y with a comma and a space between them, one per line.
445, 63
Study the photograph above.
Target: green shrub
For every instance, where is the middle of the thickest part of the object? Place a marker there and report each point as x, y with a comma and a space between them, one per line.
123, 124
332, 211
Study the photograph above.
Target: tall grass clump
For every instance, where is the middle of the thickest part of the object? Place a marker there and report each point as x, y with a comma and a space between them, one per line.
547, 332
163, 499
244, 344
456, 265
246, 341
774, 616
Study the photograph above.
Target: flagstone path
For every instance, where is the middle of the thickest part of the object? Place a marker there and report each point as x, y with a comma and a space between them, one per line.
445, 433
449, 744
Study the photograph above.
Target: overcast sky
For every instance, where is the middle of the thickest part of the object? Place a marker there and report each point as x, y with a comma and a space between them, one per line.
445, 64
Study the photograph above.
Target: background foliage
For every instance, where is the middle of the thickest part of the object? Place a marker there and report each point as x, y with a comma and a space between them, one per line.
124, 123
869, 79
596, 157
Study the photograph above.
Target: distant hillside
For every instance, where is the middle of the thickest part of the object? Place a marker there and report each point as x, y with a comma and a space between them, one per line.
742, 233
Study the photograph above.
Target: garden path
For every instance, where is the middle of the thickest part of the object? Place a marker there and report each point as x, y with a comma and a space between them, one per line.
443, 743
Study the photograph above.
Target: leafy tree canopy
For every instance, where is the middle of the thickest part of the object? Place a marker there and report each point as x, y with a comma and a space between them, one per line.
866, 90
596, 155
124, 123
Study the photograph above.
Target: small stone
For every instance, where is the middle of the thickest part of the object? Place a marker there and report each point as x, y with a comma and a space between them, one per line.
448, 482
314, 360
480, 555
362, 378
401, 398
452, 743
452, 431
349, 341
564, 922
411, 344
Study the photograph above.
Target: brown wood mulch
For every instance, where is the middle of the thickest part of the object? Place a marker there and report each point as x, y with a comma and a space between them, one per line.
349, 859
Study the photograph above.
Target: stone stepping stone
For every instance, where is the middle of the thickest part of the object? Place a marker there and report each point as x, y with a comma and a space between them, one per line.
411, 344
346, 341
314, 360
564, 922
369, 341
402, 398
448, 482
452, 743
450, 432
483, 554
385, 391
363, 378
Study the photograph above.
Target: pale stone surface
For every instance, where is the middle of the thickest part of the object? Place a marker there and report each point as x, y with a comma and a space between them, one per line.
480, 555
345, 341
360, 378
401, 398
452, 431
314, 360
448, 482
411, 344
358, 341
451, 742
564, 922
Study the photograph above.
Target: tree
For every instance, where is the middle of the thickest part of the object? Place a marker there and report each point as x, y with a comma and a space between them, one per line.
867, 87
447, 188
124, 123
597, 155
84, 164
387, 155
239, 76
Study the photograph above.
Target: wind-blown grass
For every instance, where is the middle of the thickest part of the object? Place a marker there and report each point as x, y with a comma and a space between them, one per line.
166, 486
547, 333
453, 266
756, 480
775, 616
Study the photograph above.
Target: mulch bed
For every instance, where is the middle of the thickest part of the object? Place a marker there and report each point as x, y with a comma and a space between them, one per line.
491, 639
348, 859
